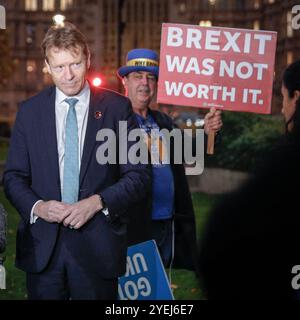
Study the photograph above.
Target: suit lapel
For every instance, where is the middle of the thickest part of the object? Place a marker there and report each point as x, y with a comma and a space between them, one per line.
93, 125
48, 127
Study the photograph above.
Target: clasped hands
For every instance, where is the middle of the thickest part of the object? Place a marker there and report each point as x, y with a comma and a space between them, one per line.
71, 215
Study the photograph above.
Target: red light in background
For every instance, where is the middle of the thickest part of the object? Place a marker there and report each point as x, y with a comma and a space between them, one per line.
97, 82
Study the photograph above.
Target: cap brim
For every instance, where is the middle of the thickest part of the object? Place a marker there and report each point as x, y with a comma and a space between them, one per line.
123, 71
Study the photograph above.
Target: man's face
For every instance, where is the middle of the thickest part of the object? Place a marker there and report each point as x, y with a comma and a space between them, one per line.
68, 69
288, 103
140, 88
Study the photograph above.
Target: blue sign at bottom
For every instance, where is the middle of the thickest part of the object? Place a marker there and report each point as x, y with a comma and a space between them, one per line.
145, 277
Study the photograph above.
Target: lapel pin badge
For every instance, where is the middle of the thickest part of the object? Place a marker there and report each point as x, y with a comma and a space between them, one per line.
98, 114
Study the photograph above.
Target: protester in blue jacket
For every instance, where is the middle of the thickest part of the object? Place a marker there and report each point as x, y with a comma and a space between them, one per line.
168, 214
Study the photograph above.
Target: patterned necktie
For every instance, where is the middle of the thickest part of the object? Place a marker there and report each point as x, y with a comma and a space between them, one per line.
71, 166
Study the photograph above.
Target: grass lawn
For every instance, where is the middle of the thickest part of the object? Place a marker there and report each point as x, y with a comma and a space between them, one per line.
15, 280
185, 284
3, 151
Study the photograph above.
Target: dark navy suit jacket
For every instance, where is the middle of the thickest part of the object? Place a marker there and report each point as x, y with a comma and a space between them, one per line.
32, 173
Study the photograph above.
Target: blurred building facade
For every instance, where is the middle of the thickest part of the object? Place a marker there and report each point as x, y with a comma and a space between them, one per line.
113, 27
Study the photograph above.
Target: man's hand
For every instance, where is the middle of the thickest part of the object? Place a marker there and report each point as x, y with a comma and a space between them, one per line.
82, 211
213, 121
52, 211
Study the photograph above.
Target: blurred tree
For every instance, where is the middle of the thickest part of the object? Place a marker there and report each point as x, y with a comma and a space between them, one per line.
246, 139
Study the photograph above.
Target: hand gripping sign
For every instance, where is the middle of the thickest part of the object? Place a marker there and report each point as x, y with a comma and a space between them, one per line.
226, 68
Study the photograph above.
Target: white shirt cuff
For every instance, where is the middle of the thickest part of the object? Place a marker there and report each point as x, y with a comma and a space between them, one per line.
33, 217
105, 211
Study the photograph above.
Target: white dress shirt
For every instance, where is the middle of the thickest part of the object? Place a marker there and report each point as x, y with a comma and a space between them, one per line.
61, 111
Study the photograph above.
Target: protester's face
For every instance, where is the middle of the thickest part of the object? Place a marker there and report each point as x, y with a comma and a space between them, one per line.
288, 103
68, 69
140, 88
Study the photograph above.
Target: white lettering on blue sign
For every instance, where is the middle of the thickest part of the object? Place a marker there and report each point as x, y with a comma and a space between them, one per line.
131, 290
133, 265
145, 277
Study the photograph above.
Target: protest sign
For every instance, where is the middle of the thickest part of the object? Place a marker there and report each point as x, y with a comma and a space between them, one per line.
145, 277
230, 69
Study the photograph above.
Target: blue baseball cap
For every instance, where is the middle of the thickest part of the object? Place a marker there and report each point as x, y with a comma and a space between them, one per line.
140, 60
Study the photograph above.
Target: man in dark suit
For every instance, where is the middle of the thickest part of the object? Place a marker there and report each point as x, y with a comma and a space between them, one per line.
71, 240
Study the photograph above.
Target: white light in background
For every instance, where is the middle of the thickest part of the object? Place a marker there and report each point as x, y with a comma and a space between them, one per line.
59, 20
